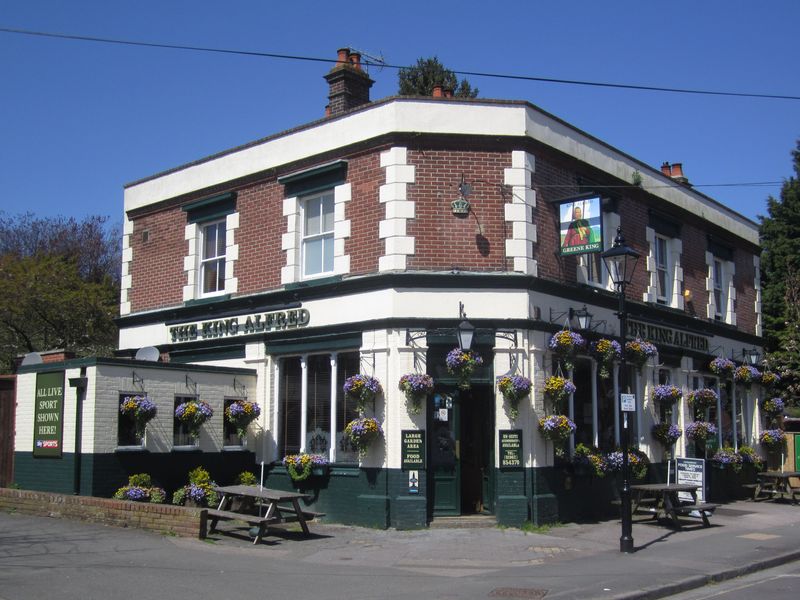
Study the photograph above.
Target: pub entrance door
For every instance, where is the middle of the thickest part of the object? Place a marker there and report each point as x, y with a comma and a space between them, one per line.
461, 451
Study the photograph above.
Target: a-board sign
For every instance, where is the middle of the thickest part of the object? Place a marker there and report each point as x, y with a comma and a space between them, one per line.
692, 471
511, 448
412, 448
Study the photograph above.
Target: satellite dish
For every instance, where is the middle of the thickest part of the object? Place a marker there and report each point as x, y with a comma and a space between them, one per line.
31, 358
148, 353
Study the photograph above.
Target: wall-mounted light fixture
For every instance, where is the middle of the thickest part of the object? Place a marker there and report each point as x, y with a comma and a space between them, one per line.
461, 205
582, 315
752, 355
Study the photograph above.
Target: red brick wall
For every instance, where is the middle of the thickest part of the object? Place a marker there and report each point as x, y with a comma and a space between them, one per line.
261, 224
165, 518
444, 241
743, 281
365, 211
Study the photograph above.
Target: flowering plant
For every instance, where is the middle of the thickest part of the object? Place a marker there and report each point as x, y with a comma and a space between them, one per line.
415, 387
240, 414
606, 352
566, 344
770, 379
141, 409
556, 428
199, 490
591, 457
773, 407
700, 430
140, 488
667, 394
772, 439
667, 434
362, 388
557, 388
727, 456
514, 389
703, 399
462, 363
746, 374
749, 455
246, 478
300, 466
362, 432
722, 366
194, 413
637, 461
638, 351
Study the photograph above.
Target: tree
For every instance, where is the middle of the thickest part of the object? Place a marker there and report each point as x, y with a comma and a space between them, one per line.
428, 72
59, 286
780, 275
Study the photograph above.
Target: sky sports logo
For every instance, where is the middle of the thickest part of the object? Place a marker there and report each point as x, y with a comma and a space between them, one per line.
47, 443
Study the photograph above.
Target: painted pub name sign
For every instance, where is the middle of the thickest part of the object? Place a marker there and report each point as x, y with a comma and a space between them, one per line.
667, 336
240, 325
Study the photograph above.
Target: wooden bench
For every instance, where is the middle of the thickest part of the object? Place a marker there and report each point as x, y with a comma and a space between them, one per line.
687, 509
213, 515
753, 487
289, 515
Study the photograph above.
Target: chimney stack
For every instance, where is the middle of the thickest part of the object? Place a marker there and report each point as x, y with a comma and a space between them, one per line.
675, 172
349, 84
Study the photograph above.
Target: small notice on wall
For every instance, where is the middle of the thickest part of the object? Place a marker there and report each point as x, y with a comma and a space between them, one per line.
413, 449
48, 415
511, 448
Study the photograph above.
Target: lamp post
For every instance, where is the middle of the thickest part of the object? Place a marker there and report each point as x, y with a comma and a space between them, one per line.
620, 261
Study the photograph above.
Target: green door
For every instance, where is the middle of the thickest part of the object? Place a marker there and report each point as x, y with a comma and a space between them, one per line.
797, 451
445, 453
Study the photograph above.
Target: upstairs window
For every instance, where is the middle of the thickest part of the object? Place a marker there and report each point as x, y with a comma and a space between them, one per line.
663, 275
317, 245
212, 258
719, 290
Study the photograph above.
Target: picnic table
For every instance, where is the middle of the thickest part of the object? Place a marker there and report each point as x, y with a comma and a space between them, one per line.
270, 506
662, 499
777, 484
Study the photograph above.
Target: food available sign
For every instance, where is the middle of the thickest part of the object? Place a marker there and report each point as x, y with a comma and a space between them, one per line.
48, 415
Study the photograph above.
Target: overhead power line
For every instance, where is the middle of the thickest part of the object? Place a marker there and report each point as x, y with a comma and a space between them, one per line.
384, 65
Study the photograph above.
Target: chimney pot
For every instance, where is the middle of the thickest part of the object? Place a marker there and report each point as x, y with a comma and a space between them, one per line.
677, 169
343, 55
355, 60
666, 169
437, 91
448, 93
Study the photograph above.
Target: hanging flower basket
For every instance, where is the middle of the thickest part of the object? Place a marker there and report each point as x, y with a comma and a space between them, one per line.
415, 387
605, 352
514, 389
773, 440
727, 457
703, 399
141, 409
362, 389
194, 413
639, 351
770, 379
667, 434
700, 431
240, 414
301, 466
362, 432
637, 462
589, 457
667, 394
566, 344
722, 366
558, 389
749, 456
556, 428
773, 407
747, 375
462, 363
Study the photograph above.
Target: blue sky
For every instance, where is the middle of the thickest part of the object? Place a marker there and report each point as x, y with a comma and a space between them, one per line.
81, 119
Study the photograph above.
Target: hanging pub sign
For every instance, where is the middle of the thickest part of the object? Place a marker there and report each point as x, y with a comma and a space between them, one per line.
412, 455
48, 415
510, 448
580, 226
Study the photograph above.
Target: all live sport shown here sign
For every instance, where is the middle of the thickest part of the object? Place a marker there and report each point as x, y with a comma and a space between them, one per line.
48, 415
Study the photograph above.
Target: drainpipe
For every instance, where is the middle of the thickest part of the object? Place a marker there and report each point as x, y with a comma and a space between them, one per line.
79, 383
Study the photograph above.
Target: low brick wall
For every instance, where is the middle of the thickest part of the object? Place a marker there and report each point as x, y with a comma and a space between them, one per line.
163, 518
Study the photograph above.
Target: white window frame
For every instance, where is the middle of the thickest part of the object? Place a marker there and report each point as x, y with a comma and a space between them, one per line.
720, 298
202, 260
327, 234
721, 289
661, 253
667, 266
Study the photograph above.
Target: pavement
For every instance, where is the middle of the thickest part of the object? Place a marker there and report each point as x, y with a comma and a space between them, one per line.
567, 561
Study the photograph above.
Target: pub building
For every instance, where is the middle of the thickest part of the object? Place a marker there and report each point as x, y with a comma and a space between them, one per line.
371, 242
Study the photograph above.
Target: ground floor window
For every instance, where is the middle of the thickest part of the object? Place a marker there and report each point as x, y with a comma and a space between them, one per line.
313, 409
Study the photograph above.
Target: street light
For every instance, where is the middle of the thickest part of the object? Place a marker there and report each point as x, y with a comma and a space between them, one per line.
620, 261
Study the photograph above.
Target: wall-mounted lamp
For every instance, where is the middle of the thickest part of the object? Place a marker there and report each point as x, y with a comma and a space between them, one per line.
752, 355
583, 316
461, 205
